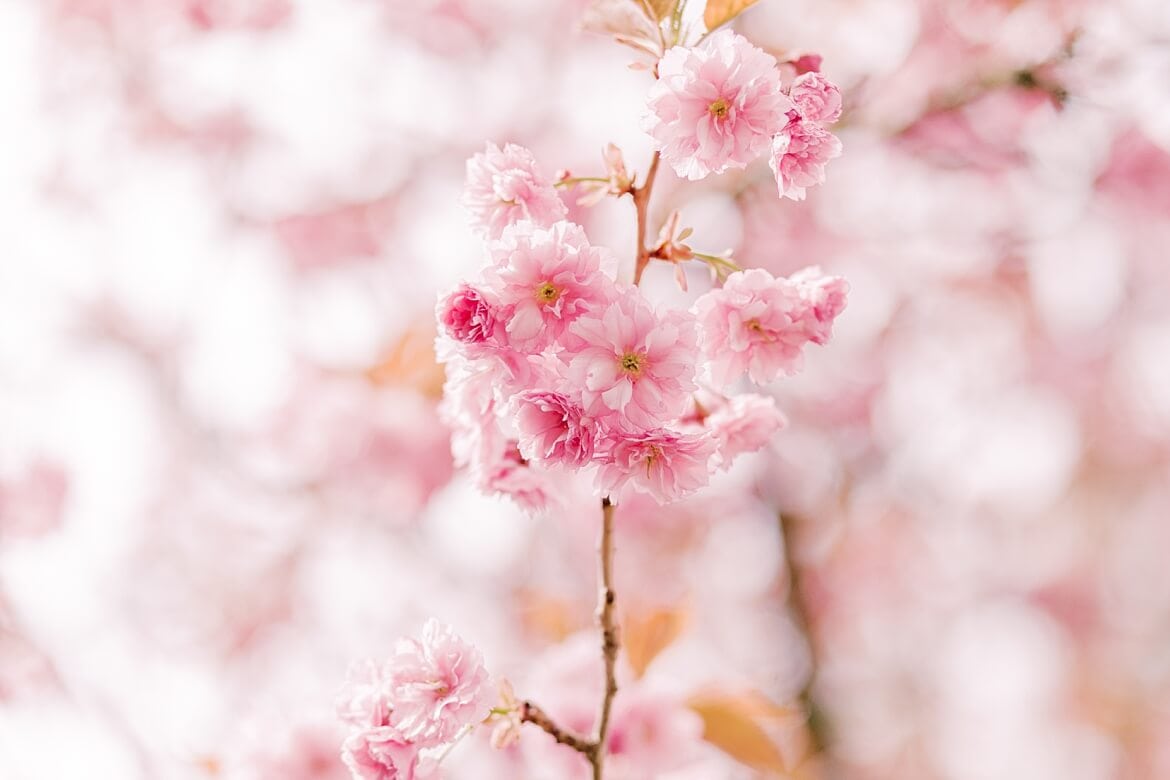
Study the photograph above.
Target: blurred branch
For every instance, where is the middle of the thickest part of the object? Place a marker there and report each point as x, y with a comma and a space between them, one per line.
818, 727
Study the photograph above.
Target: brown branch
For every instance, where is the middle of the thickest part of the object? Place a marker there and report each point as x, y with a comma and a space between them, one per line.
798, 604
641, 201
609, 632
530, 713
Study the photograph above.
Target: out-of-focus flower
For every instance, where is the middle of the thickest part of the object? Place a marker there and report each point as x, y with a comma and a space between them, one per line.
507, 718
438, 685
816, 98
759, 324
33, 502
744, 424
545, 279
505, 186
631, 363
553, 429
509, 474
665, 464
380, 754
365, 701
799, 155
715, 106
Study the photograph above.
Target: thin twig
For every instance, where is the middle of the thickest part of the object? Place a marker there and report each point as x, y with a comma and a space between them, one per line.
609, 632
530, 713
641, 201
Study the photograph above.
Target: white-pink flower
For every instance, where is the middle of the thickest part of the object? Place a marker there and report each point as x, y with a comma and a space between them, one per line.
816, 98
715, 106
825, 298
505, 186
509, 474
438, 685
665, 464
380, 754
554, 429
630, 363
544, 278
759, 324
744, 424
799, 155
365, 702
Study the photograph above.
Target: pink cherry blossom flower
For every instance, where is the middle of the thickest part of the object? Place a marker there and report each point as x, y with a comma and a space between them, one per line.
825, 296
759, 324
744, 424
505, 186
438, 686
816, 98
799, 155
509, 474
546, 278
380, 754
365, 702
631, 363
665, 464
466, 316
715, 106
554, 429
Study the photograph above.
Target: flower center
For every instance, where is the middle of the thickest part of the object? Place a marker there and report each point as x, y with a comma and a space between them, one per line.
652, 457
547, 292
719, 108
754, 325
632, 363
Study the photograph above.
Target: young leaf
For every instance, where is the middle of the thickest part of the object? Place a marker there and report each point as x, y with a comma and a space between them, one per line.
646, 635
662, 9
410, 362
733, 722
618, 17
720, 12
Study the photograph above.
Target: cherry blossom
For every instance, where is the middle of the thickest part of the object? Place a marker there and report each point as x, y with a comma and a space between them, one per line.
505, 186
799, 155
815, 98
546, 278
759, 324
665, 464
632, 363
715, 106
554, 429
438, 685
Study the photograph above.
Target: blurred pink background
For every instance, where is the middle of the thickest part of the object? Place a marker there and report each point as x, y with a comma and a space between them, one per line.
222, 477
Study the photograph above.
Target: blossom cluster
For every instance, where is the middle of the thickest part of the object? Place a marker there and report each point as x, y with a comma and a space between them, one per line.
401, 712
557, 365
721, 104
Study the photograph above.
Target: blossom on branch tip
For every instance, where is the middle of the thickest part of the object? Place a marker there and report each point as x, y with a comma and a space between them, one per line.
715, 106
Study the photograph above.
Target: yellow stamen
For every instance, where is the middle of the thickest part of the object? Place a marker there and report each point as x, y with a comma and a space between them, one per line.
719, 108
547, 293
632, 363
